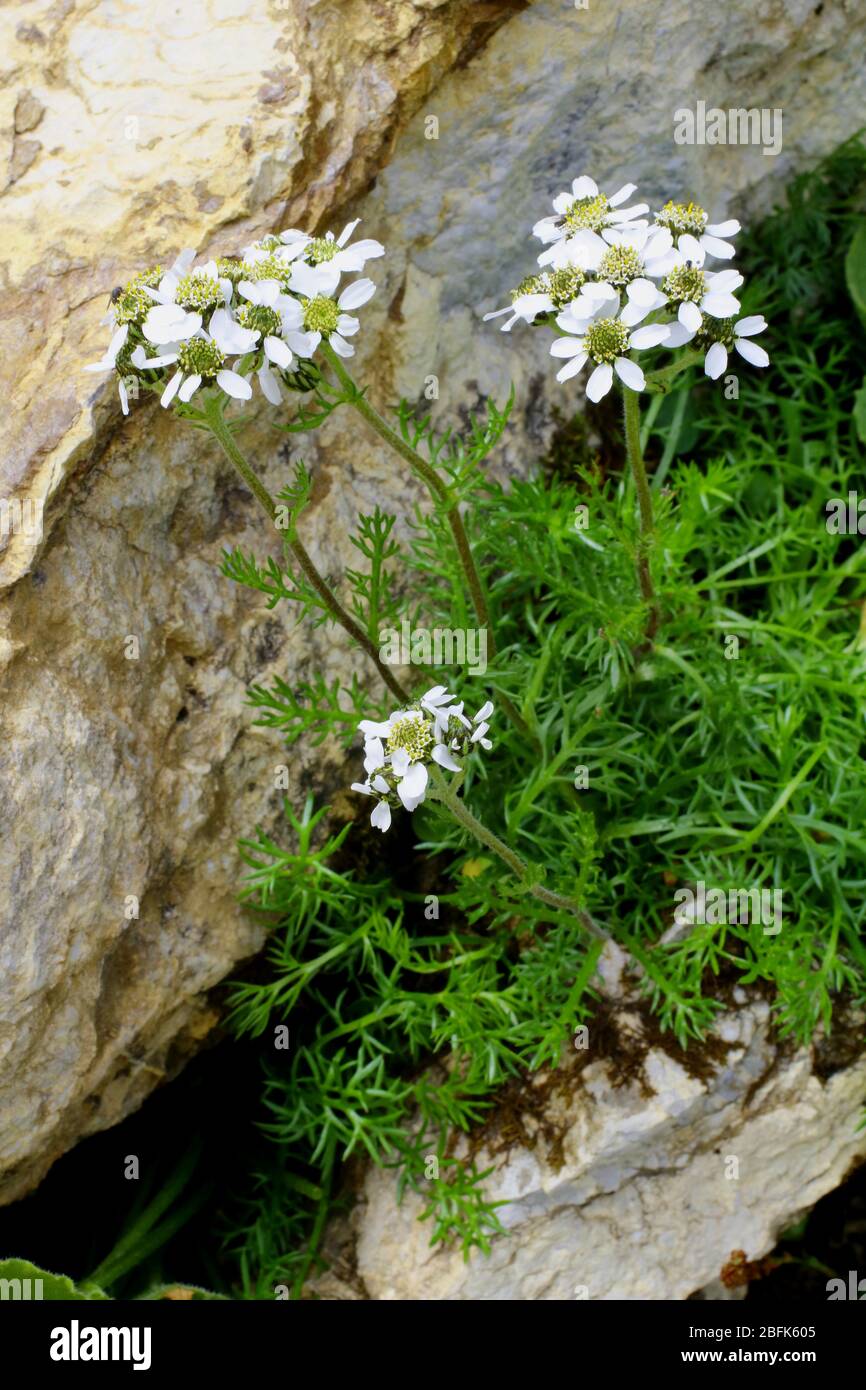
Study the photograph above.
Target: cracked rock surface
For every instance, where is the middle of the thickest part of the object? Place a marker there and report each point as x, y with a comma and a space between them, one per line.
129, 769
633, 1172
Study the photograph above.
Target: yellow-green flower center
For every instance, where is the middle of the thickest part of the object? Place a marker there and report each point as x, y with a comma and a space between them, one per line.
620, 265
680, 218
267, 321
133, 304
533, 284
230, 270
199, 291
716, 331
606, 340
321, 248
565, 285
321, 314
272, 268
685, 284
200, 357
413, 733
589, 213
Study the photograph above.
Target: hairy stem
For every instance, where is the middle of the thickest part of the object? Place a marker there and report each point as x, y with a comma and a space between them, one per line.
460, 811
220, 429
439, 493
631, 415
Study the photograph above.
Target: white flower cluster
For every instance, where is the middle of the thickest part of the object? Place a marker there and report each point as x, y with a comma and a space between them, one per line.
399, 750
607, 269
224, 321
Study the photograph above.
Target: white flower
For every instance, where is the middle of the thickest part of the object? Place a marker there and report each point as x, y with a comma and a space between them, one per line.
586, 222
632, 262
586, 209
169, 323
331, 250
320, 316
197, 290
399, 750
693, 235
200, 358
700, 292
108, 362
539, 295
604, 342
723, 336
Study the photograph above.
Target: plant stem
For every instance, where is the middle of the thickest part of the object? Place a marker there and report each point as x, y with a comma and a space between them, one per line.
460, 811
631, 415
439, 493
219, 428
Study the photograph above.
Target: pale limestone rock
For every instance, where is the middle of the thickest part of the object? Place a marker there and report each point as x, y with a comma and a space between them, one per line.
133, 131
629, 1190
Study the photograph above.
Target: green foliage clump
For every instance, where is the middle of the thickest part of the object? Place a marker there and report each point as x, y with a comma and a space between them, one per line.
729, 750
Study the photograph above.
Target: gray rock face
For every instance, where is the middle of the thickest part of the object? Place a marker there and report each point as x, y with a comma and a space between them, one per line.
128, 774
635, 1172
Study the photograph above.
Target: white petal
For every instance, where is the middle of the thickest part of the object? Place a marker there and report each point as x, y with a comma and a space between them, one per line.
722, 250
363, 788
622, 194
234, 385
436, 695
347, 326
374, 728
413, 785
340, 346
692, 249
600, 382
269, 384
190, 385
356, 294
171, 389
634, 313
347, 232
642, 292
485, 711
651, 336
721, 306
290, 312
729, 228
124, 397
230, 337
304, 344
444, 758
677, 335
584, 187
168, 323
752, 352
753, 323
566, 347
277, 351
630, 373
400, 761
572, 368
381, 817
689, 316
724, 280
716, 361
374, 754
